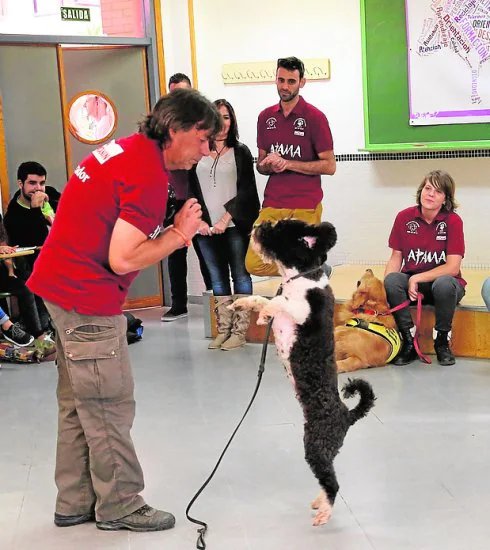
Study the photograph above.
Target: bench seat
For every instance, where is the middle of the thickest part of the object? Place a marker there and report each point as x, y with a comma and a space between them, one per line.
471, 325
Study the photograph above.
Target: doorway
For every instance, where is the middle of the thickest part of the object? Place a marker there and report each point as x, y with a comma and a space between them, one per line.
39, 83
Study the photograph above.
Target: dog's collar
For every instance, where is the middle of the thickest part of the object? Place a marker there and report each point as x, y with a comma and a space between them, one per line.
297, 276
365, 311
302, 274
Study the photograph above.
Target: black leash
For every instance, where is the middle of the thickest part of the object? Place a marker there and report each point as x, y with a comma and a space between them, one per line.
201, 544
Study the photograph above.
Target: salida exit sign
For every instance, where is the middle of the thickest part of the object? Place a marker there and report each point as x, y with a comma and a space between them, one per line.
75, 14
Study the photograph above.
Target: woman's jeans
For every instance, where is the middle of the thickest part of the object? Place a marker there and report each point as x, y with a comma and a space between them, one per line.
444, 294
224, 253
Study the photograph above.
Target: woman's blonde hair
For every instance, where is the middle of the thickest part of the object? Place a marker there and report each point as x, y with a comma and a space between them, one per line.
443, 181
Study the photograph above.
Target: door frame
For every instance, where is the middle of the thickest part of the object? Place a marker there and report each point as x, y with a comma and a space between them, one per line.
156, 86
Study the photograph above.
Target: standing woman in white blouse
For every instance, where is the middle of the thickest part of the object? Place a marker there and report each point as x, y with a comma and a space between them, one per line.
224, 184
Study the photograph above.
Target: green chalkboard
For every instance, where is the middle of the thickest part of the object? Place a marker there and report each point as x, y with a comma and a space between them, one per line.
385, 78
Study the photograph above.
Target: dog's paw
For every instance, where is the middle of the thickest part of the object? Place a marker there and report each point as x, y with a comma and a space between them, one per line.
265, 315
240, 304
263, 318
320, 499
323, 515
340, 365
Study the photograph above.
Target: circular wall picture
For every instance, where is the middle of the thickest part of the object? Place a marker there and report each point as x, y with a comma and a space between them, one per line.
92, 116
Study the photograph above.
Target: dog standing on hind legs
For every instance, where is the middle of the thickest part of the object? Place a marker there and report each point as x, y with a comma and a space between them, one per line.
303, 331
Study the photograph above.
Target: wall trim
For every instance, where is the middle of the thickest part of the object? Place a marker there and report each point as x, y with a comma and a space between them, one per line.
192, 38
140, 303
417, 155
4, 173
162, 77
369, 157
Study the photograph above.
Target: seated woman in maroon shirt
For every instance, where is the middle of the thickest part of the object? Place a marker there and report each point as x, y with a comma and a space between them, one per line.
427, 243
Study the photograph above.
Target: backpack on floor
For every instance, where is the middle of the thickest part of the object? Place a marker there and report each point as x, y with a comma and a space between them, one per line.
135, 328
15, 354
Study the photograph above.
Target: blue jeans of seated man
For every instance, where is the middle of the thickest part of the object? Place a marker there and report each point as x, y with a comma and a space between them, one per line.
444, 294
224, 253
485, 292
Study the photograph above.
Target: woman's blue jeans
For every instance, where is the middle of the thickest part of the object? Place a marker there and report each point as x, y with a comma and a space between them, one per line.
223, 254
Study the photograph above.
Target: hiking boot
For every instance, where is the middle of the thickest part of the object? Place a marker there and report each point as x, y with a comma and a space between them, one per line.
17, 336
407, 353
444, 354
173, 314
69, 521
145, 518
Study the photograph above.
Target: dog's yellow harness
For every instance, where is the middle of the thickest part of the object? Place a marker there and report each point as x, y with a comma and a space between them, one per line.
389, 334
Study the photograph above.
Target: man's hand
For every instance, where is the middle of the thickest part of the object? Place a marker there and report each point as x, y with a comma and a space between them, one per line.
4, 249
188, 218
38, 199
413, 288
275, 162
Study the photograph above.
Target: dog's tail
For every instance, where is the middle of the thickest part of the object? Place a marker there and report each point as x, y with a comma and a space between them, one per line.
366, 402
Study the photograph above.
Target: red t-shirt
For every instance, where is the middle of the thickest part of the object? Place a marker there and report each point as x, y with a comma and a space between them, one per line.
423, 245
122, 179
300, 136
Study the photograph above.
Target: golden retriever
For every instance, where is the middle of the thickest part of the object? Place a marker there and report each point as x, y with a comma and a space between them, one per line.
357, 347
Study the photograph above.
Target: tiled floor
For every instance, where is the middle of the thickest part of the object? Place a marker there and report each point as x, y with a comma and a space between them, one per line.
414, 475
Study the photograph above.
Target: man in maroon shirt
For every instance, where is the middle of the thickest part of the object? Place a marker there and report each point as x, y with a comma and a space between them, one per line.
427, 246
295, 149
108, 227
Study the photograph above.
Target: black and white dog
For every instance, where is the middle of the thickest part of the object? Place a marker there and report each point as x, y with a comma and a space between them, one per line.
303, 332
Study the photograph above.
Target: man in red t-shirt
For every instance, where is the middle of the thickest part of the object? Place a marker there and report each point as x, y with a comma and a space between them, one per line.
427, 243
295, 149
108, 227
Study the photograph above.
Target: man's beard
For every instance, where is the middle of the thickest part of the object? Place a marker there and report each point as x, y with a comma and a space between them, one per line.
290, 97
25, 197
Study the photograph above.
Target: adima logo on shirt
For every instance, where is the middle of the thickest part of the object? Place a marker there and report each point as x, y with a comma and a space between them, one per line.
427, 257
285, 150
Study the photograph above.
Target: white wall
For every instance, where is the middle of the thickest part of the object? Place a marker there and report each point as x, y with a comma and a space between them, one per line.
176, 41
362, 198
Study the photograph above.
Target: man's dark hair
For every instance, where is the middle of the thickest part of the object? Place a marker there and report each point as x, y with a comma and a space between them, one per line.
291, 64
232, 138
180, 110
30, 167
179, 77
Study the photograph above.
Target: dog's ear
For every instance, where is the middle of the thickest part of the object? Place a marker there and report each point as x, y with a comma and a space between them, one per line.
327, 234
309, 241
359, 298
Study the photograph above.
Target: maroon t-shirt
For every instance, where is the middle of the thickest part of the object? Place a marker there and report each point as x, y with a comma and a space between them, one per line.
423, 245
122, 179
300, 136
